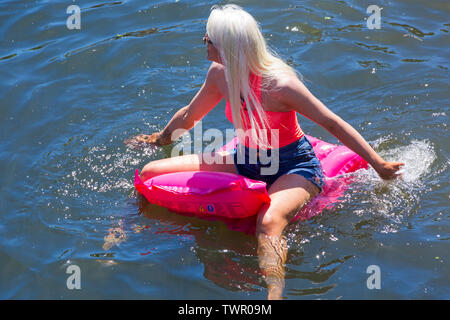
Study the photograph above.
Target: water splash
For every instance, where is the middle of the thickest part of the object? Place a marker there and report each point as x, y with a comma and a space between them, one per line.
384, 205
418, 157
372, 205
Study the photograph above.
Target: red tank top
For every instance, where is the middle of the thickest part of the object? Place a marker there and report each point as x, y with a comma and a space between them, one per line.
286, 122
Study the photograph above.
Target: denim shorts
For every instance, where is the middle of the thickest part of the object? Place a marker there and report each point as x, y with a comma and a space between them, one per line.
266, 165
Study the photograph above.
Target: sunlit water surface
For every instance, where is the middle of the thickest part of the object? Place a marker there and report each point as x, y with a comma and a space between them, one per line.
69, 98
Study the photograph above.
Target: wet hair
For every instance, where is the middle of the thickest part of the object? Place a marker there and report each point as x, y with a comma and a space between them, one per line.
244, 51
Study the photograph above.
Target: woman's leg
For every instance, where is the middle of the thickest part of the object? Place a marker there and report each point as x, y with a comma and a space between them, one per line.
192, 162
289, 193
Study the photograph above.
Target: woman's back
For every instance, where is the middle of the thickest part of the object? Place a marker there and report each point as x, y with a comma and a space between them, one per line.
285, 122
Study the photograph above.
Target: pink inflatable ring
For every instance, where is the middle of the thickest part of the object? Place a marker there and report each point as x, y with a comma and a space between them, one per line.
204, 193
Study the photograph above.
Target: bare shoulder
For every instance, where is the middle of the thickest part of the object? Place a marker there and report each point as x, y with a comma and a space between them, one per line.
291, 89
216, 77
279, 92
216, 71
288, 83
279, 85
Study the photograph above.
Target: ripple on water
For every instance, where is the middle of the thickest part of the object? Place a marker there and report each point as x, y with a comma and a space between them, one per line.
69, 99
369, 208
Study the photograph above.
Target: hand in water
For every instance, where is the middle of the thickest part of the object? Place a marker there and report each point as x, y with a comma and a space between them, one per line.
390, 170
145, 139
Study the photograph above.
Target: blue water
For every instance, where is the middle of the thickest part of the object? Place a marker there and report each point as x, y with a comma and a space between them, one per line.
69, 98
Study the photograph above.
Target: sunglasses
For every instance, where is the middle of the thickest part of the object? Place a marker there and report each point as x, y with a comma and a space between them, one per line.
206, 40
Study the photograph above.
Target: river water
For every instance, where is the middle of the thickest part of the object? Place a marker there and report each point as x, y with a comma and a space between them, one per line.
70, 97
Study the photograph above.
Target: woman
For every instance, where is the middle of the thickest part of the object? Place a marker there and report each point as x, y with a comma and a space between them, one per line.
252, 78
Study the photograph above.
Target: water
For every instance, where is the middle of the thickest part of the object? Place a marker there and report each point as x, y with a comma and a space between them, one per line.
70, 97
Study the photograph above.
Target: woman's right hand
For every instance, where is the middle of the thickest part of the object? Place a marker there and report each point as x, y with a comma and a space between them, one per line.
389, 170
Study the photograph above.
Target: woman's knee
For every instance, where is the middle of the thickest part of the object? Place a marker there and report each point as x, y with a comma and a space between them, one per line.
150, 170
270, 223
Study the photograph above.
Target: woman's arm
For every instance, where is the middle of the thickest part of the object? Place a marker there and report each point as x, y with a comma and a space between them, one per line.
204, 101
300, 99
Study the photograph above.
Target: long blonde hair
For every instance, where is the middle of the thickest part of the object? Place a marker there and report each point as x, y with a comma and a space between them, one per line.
243, 51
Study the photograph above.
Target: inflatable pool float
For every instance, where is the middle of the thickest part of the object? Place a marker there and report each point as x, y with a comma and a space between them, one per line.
232, 196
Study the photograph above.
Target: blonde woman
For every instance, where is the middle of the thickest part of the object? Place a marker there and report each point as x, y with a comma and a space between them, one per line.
263, 95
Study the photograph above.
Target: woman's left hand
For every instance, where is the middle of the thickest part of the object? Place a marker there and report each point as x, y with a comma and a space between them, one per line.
389, 170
